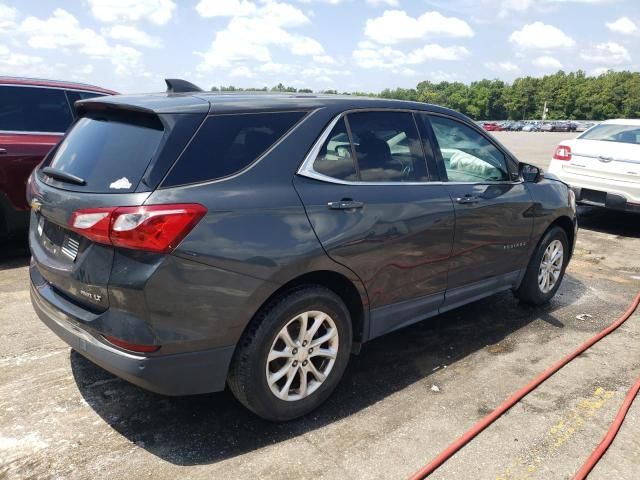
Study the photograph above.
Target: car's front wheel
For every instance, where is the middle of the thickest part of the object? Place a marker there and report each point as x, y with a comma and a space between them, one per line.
293, 354
546, 268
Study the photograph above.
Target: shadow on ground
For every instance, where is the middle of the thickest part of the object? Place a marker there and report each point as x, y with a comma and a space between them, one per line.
209, 428
14, 252
623, 224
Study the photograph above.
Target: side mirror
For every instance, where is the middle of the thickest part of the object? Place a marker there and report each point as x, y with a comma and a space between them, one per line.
531, 173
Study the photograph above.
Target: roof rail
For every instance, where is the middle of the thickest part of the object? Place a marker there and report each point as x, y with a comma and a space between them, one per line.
177, 85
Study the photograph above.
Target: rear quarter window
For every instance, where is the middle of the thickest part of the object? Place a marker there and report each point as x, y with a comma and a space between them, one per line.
227, 143
34, 109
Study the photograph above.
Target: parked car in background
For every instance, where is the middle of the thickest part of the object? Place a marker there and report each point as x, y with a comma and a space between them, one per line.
531, 127
602, 165
584, 126
491, 127
184, 242
34, 114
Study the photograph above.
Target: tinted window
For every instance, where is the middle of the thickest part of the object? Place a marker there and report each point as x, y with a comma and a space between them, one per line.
74, 96
110, 153
613, 133
27, 109
387, 147
334, 158
468, 156
226, 144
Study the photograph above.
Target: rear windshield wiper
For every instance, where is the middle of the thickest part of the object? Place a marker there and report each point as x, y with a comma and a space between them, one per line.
63, 176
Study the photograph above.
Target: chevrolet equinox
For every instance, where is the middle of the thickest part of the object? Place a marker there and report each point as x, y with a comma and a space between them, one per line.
185, 241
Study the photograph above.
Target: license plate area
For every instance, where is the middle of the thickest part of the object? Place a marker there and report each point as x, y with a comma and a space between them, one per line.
594, 196
59, 242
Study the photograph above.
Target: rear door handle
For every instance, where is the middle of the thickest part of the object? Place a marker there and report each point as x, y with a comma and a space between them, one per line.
3, 151
345, 204
467, 199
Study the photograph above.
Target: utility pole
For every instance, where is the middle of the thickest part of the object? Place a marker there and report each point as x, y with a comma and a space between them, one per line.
545, 110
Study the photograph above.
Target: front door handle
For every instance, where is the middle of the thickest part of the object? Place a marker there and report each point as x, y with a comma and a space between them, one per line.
467, 199
345, 204
3, 151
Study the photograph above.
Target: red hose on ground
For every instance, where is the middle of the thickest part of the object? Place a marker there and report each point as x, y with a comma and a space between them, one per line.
611, 434
448, 452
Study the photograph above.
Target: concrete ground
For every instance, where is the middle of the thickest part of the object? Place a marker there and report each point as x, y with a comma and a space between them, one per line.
402, 400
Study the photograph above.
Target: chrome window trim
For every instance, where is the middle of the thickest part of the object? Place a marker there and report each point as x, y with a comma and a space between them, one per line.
306, 169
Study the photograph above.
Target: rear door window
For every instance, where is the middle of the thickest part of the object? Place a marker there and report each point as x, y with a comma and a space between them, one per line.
31, 109
335, 158
225, 144
387, 147
109, 151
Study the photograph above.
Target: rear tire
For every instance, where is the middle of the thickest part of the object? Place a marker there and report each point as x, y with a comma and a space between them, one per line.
545, 271
280, 373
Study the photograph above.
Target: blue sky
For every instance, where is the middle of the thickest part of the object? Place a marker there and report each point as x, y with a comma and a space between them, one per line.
367, 45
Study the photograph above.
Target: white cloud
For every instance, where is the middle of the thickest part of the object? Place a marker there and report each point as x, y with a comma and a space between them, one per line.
390, 58
377, 3
133, 35
608, 53
242, 71
548, 63
8, 16
271, 67
155, 11
502, 66
541, 36
623, 25
505, 7
225, 8
250, 38
395, 26
62, 31
324, 59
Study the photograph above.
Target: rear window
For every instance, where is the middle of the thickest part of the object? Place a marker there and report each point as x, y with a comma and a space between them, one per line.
109, 152
225, 144
31, 109
613, 133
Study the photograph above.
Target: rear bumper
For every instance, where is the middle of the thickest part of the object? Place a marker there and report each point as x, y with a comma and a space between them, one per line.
176, 374
605, 199
601, 192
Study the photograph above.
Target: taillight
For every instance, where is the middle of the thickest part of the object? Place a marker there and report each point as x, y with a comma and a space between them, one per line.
154, 228
563, 152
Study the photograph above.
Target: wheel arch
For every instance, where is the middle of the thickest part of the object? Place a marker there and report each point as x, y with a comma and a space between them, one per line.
341, 285
568, 226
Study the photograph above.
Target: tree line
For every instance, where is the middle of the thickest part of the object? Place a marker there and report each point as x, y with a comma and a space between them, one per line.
573, 96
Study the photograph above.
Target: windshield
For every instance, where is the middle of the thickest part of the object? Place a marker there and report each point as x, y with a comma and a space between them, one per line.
613, 133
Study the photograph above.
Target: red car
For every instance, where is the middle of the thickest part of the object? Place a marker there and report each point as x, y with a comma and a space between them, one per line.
491, 127
34, 114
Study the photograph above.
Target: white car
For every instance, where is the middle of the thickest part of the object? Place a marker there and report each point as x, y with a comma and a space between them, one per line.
602, 165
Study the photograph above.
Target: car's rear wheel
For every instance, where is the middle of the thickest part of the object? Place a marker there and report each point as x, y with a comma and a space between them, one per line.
546, 268
293, 354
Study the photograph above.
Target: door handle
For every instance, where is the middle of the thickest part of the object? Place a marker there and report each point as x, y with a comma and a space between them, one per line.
3, 151
345, 204
467, 199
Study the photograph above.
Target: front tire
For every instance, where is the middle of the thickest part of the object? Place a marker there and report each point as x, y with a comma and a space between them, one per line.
546, 268
293, 354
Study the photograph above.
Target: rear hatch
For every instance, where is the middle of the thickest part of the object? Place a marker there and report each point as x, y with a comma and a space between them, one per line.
604, 160
114, 156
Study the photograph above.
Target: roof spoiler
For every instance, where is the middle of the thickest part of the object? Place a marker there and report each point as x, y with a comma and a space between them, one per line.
177, 85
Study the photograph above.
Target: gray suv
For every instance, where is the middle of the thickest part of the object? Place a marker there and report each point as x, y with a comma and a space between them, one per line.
188, 241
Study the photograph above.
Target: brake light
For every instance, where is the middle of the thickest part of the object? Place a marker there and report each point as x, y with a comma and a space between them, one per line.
154, 228
563, 152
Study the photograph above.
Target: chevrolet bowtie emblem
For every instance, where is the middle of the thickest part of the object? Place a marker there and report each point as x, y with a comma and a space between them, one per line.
36, 205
